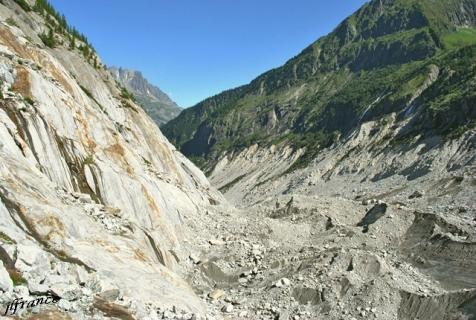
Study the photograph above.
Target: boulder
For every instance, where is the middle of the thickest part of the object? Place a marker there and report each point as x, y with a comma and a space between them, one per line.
228, 308
283, 282
6, 284
216, 294
416, 194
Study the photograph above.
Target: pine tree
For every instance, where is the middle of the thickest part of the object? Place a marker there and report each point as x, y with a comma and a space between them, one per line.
48, 39
72, 42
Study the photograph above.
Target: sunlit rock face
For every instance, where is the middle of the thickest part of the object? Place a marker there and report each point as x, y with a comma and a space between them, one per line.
92, 196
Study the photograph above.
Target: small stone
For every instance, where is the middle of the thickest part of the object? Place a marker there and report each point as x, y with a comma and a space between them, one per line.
64, 304
228, 308
195, 259
256, 252
110, 295
6, 284
416, 194
242, 314
283, 282
285, 315
420, 260
216, 294
21, 291
216, 242
85, 198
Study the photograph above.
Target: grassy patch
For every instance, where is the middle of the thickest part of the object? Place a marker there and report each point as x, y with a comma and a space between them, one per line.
24, 5
48, 39
147, 162
29, 100
125, 94
126, 104
458, 131
11, 22
6, 239
16, 277
461, 38
199, 161
89, 160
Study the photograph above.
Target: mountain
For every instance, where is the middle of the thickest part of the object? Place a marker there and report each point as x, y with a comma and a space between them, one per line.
339, 217
405, 57
156, 103
93, 197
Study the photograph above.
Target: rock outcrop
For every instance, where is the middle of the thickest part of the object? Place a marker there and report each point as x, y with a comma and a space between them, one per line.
93, 198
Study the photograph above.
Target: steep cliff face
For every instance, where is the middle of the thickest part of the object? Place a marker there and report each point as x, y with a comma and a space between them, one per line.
155, 102
92, 196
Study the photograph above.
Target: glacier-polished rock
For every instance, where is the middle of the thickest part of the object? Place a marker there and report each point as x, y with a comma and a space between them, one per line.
69, 140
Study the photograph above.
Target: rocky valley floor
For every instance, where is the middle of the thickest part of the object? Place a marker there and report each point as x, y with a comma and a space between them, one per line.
391, 251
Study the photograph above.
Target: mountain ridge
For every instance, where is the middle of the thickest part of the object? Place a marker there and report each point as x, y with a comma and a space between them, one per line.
319, 94
158, 105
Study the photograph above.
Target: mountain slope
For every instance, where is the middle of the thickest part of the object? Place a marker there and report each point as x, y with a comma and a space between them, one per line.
93, 198
389, 57
156, 103
99, 210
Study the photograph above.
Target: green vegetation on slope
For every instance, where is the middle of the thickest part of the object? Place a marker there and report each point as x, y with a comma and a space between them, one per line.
402, 56
460, 38
57, 24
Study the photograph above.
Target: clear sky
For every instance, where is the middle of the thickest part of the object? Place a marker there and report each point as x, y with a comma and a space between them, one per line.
193, 49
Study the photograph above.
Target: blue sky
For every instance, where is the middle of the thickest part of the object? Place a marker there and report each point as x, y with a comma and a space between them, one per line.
193, 49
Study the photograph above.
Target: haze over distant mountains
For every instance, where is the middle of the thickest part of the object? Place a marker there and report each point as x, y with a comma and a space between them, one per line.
158, 105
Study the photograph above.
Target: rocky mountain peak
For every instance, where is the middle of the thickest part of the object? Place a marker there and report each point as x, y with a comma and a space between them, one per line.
160, 107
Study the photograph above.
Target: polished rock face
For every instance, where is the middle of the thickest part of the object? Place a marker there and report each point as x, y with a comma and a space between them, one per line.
93, 197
